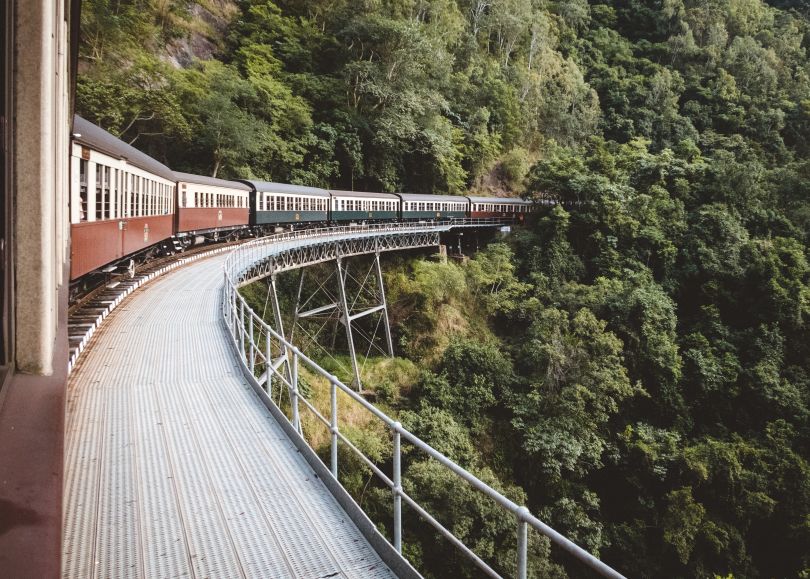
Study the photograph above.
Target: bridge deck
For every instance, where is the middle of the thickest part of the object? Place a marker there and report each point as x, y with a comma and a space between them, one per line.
173, 465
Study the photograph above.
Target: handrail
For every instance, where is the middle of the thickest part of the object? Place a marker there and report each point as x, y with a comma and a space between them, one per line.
243, 324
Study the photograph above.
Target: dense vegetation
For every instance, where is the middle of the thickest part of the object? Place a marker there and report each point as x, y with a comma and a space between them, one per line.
636, 366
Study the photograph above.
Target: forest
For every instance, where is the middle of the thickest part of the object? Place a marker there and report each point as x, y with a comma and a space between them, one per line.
635, 365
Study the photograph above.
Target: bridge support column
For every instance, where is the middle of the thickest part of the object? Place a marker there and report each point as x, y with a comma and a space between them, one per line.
384, 304
286, 354
346, 319
378, 305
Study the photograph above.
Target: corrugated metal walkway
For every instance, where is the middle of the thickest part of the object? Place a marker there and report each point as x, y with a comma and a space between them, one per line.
174, 467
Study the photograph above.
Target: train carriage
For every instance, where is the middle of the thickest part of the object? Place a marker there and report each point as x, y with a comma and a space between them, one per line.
281, 204
417, 206
122, 200
362, 206
207, 205
500, 207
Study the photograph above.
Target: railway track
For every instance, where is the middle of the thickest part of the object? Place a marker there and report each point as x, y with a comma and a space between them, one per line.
86, 314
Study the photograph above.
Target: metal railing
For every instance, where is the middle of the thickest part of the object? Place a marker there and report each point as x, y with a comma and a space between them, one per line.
265, 352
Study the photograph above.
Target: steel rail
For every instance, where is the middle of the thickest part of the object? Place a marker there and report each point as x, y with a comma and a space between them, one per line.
265, 256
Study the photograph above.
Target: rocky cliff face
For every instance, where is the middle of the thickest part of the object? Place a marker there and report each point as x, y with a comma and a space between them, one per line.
207, 23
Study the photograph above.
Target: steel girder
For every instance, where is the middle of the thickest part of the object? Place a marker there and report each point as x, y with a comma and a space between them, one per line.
305, 254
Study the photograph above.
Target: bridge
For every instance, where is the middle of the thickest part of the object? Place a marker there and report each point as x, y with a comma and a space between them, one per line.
185, 453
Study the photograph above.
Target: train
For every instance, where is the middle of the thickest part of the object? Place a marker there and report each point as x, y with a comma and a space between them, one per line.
127, 206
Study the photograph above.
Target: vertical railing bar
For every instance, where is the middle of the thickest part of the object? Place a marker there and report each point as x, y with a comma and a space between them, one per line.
296, 419
334, 428
522, 542
252, 347
397, 478
268, 367
242, 328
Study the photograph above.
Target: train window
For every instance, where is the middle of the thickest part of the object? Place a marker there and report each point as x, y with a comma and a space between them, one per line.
136, 199
82, 190
112, 188
98, 201
105, 186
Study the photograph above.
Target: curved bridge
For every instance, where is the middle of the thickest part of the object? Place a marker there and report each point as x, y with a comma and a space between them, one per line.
178, 462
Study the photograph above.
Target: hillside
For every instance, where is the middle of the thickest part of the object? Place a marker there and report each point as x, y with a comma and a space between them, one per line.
637, 364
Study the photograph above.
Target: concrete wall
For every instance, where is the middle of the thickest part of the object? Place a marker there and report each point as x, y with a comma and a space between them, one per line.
41, 137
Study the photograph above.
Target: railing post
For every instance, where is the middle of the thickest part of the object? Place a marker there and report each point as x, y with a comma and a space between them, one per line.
334, 427
397, 489
233, 313
522, 542
296, 420
268, 366
242, 328
252, 346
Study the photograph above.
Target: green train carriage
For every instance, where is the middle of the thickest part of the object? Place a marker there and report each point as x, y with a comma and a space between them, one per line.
361, 206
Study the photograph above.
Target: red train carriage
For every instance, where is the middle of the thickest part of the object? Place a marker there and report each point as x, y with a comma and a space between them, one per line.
209, 206
501, 207
121, 200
